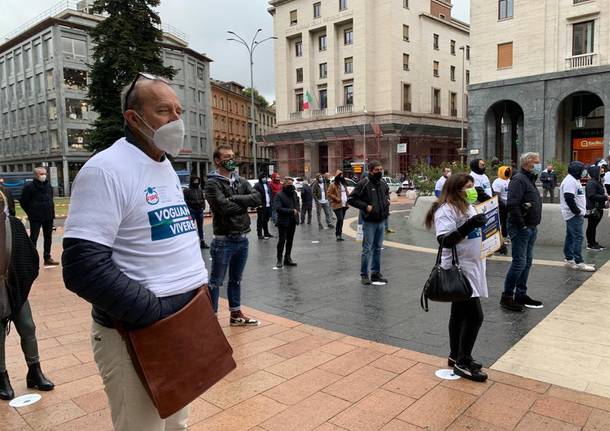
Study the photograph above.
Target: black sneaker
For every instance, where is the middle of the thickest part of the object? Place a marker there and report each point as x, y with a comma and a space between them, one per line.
474, 364
279, 265
594, 247
261, 237
288, 262
508, 303
268, 235
377, 277
321, 227
601, 247
340, 239
364, 279
469, 372
528, 302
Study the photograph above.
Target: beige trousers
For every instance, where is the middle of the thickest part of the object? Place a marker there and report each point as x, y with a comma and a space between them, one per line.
130, 405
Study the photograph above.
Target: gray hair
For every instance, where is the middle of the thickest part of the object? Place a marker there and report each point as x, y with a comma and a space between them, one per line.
526, 157
39, 168
133, 101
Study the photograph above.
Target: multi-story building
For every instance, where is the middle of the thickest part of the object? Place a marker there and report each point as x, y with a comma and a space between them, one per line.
381, 80
265, 125
45, 117
541, 79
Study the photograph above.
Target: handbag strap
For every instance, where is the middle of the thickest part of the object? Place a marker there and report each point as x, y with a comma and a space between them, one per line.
439, 255
454, 256
423, 300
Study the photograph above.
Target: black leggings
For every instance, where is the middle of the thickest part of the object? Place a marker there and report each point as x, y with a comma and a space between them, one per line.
592, 223
464, 324
340, 213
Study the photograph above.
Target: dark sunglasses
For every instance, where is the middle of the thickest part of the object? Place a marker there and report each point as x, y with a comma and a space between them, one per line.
144, 75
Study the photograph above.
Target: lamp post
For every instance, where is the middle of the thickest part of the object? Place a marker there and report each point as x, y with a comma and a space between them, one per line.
364, 141
463, 49
251, 47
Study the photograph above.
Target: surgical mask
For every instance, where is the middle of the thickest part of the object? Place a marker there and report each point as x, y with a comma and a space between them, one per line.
537, 168
42, 178
471, 195
169, 137
229, 165
584, 174
448, 174
264, 180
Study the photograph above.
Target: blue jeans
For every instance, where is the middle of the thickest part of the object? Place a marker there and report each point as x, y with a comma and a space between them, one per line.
522, 241
572, 248
229, 253
372, 241
198, 217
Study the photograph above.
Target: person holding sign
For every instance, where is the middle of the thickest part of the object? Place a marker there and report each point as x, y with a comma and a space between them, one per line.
458, 225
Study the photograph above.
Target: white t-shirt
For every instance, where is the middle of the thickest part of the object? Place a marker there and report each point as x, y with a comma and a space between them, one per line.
267, 194
500, 185
572, 185
483, 182
343, 196
607, 178
438, 188
322, 193
125, 200
447, 219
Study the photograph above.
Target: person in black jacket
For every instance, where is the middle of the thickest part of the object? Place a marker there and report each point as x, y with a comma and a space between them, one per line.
524, 213
306, 201
264, 211
195, 200
37, 202
372, 197
230, 197
596, 202
548, 178
286, 205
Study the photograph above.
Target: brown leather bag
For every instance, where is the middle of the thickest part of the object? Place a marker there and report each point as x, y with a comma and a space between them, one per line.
180, 357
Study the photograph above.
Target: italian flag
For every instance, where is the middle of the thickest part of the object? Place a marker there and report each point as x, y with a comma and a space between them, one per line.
307, 101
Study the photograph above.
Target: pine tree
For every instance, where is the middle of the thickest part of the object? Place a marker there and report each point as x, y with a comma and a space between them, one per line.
126, 42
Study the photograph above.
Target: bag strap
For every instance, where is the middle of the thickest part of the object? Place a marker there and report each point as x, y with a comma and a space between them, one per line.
439, 255
454, 256
423, 300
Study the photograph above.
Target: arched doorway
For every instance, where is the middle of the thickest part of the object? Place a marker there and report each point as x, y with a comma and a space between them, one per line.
580, 128
504, 131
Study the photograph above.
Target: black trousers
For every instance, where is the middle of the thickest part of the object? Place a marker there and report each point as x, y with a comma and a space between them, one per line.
464, 324
47, 231
262, 220
286, 235
340, 213
306, 209
592, 223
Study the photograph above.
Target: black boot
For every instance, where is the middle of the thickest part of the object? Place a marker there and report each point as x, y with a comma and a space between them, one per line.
288, 261
36, 380
279, 265
6, 390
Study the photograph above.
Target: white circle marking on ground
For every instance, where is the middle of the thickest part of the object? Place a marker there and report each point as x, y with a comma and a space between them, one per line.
25, 400
446, 374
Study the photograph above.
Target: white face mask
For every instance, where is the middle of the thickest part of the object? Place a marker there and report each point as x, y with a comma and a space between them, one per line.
42, 178
169, 137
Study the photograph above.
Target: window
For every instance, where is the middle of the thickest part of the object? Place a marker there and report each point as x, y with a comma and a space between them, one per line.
406, 97
452, 73
322, 42
201, 97
453, 104
27, 58
73, 48
349, 65
505, 9
582, 38
323, 70
405, 33
75, 79
436, 101
348, 36
298, 48
52, 110
77, 138
405, 62
452, 49
435, 67
19, 89
37, 53
299, 101
317, 10
201, 72
1, 70
348, 94
342, 4
18, 68
201, 120
405, 4
50, 80
300, 74
323, 94
28, 87
468, 77
77, 109
505, 55
293, 17
436, 41
9, 67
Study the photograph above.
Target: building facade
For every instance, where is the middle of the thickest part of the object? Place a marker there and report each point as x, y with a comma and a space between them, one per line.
541, 79
45, 117
360, 80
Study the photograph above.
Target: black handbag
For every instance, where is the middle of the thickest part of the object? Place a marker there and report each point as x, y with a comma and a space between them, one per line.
446, 285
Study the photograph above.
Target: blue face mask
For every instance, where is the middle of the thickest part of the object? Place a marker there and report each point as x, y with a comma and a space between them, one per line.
537, 169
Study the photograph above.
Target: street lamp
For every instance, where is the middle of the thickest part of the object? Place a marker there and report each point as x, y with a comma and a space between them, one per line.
463, 49
364, 140
251, 47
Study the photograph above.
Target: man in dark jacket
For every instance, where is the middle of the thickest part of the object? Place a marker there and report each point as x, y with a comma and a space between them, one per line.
548, 178
319, 190
372, 197
195, 200
596, 202
306, 201
264, 211
524, 213
229, 197
286, 205
37, 202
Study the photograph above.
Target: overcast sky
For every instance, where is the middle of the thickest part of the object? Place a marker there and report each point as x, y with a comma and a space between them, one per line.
206, 23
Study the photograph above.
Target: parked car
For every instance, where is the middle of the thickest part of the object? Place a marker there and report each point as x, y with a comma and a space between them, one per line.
351, 184
408, 185
392, 184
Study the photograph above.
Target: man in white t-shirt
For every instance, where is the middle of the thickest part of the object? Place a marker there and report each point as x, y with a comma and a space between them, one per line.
438, 187
573, 206
130, 245
481, 181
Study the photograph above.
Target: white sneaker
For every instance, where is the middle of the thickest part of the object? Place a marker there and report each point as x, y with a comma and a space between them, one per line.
584, 267
570, 264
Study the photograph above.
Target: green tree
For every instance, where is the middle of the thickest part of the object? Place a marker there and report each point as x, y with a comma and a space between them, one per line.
126, 42
259, 100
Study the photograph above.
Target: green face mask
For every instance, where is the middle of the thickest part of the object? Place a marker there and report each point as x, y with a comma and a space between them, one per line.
471, 195
229, 165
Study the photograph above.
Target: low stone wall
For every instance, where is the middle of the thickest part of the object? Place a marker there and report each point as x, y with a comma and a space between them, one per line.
550, 232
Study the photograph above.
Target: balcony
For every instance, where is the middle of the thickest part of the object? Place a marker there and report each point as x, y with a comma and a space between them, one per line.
584, 60
437, 110
346, 109
321, 113
316, 113
454, 112
407, 106
296, 115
